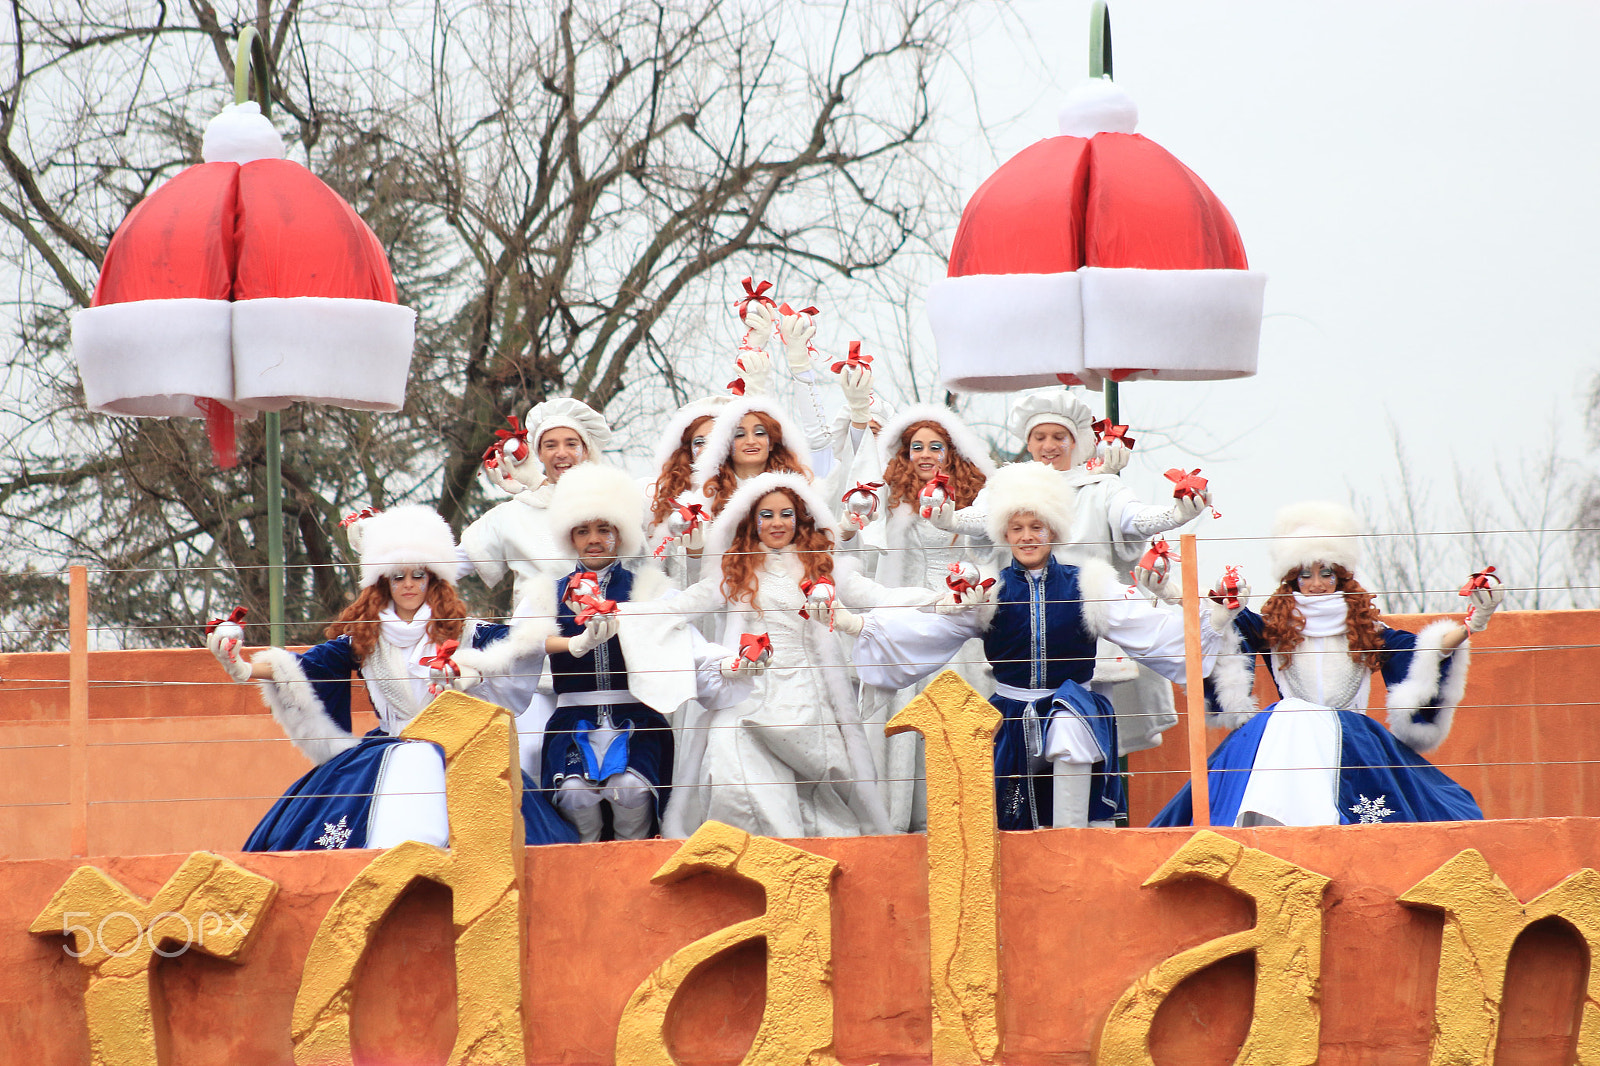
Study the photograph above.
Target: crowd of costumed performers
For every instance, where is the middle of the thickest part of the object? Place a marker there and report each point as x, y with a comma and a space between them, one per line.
725, 638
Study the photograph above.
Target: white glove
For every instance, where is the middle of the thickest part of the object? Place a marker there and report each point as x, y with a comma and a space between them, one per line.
838, 619
529, 472
601, 628
462, 678
1114, 456
856, 384
797, 335
943, 516
953, 602
1187, 508
1484, 602
758, 319
853, 522
1161, 586
756, 369
737, 666
227, 643
1222, 615
694, 540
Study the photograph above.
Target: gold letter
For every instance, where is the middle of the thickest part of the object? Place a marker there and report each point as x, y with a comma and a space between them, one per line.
482, 869
1482, 920
797, 1023
958, 726
209, 904
1285, 1025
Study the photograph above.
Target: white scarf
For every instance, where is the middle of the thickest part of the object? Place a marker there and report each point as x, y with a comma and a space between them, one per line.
1325, 615
404, 635
400, 646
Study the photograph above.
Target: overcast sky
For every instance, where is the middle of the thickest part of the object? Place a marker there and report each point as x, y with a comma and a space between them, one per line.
1418, 180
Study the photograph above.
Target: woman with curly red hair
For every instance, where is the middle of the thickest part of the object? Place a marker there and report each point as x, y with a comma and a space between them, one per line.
750, 436
1314, 757
793, 759
378, 790
683, 438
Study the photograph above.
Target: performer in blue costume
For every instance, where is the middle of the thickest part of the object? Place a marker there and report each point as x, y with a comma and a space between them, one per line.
1055, 754
1314, 757
607, 748
378, 790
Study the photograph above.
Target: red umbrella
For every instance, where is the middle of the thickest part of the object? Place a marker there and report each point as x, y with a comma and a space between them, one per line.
1095, 254
243, 284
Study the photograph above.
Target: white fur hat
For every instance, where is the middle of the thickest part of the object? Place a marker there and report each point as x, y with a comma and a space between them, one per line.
564, 411
1315, 531
408, 535
591, 491
720, 443
1060, 407
743, 501
686, 416
962, 439
1029, 488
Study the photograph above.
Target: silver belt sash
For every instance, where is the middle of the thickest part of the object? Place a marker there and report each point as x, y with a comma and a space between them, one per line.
599, 697
1032, 723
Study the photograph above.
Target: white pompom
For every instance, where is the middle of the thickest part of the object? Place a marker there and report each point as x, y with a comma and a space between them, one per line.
1097, 106
240, 134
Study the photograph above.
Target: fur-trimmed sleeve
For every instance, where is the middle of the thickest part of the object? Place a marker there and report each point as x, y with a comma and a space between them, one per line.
1425, 684
309, 697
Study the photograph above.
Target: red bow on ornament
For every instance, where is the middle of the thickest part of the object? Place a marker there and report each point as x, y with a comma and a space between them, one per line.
754, 292
1104, 431
1479, 580
513, 441
1228, 594
934, 493
756, 647
491, 456
580, 586
1188, 483
962, 579
736, 386
236, 616
351, 519
791, 312
1158, 558
820, 592
443, 659
686, 519
870, 487
855, 360
593, 606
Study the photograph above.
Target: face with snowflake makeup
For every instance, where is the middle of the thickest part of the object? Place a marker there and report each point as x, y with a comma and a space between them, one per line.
752, 444
596, 544
698, 436
928, 452
1318, 579
408, 588
775, 520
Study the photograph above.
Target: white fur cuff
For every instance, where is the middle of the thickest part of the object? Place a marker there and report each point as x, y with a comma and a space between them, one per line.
298, 711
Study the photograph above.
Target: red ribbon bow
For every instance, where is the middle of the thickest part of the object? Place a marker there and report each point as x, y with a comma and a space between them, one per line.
1106, 432
1185, 483
862, 486
593, 606
961, 586
442, 660
578, 583
754, 292
692, 513
736, 386
1479, 580
935, 483
755, 646
518, 433
1158, 558
491, 456
237, 615
1228, 595
855, 359
787, 310
806, 585
351, 519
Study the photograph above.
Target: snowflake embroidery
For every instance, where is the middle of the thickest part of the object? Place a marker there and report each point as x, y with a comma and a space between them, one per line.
1371, 811
337, 836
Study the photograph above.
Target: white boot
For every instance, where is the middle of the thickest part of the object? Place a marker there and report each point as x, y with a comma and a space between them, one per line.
631, 809
579, 803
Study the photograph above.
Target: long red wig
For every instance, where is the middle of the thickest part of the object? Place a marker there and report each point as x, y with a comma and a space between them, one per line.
1285, 626
965, 479
745, 556
360, 620
676, 473
781, 459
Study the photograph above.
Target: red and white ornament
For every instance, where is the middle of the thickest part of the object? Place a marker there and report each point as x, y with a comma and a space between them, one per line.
820, 594
934, 494
863, 499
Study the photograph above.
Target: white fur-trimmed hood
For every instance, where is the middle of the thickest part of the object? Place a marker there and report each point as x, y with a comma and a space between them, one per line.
967, 443
590, 491
743, 501
1314, 531
1033, 488
682, 419
720, 441
408, 535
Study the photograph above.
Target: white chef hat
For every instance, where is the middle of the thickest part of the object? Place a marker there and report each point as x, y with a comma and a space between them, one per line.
1055, 406
565, 412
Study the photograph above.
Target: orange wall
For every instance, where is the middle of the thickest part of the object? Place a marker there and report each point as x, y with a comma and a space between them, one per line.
194, 765
1076, 931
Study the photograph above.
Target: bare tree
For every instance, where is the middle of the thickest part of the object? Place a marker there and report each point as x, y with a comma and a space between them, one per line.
568, 193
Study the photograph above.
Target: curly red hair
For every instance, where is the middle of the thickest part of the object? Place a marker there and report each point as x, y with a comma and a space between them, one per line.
359, 621
1285, 626
781, 459
676, 473
966, 480
745, 557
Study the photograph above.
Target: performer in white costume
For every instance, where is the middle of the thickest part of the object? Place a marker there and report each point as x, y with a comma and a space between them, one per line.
1056, 753
682, 440
1314, 757
620, 662
1110, 525
514, 536
378, 790
751, 435
920, 444
793, 760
